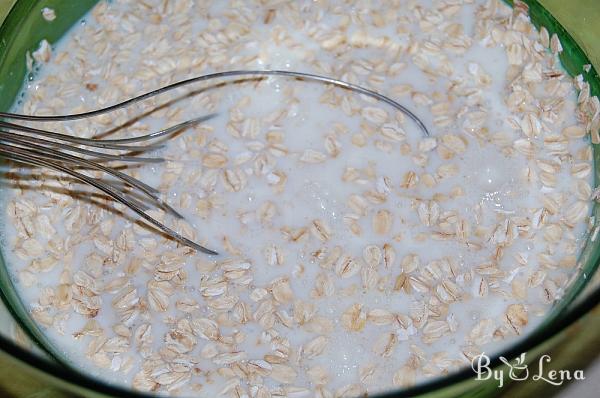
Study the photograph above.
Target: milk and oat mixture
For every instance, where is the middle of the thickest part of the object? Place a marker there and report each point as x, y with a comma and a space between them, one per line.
357, 254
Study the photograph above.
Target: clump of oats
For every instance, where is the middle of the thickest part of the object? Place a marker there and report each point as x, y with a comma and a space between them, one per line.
48, 14
43, 53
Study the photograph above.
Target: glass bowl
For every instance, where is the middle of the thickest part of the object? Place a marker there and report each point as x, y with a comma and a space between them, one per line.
29, 369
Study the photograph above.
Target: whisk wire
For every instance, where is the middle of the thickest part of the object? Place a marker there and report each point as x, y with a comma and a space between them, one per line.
98, 156
218, 75
131, 203
43, 148
51, 154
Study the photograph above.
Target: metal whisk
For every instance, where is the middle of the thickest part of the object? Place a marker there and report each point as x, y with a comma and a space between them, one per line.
67, 154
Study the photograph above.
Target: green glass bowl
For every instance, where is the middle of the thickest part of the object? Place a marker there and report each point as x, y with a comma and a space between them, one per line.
29, 366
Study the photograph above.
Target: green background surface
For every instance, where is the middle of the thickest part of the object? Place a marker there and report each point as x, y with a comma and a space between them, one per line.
582, 346
4, 7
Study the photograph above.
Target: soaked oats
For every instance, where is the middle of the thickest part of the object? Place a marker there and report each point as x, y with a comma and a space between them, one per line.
357, 255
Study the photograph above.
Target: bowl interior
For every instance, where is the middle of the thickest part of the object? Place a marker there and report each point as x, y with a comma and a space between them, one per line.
25, 27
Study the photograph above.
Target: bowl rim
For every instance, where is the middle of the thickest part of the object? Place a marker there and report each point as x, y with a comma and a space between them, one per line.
78, 379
